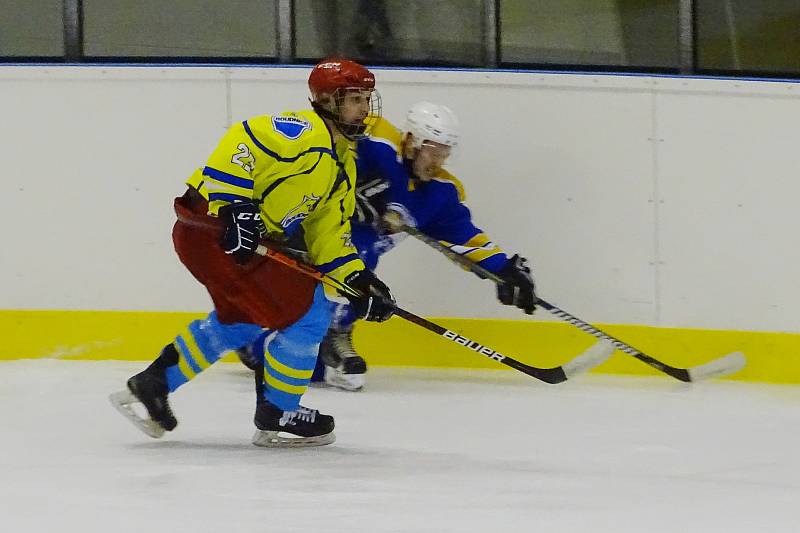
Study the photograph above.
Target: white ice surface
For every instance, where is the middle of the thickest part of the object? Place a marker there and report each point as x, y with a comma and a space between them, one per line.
422, 451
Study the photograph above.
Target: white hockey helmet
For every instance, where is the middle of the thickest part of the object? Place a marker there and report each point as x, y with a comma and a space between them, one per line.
426, 121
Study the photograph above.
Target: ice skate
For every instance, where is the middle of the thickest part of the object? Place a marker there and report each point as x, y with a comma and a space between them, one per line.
344, 368
287, 429
149, 390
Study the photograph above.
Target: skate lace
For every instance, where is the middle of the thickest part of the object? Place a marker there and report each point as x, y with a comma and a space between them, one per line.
303, 414
343, 344
163, 405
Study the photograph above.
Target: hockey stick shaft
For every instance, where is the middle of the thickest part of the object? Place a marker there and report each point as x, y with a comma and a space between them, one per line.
725, 365
548, 375
579, 364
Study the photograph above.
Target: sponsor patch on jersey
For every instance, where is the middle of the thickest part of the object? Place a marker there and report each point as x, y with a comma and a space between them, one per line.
300, 211
290, 127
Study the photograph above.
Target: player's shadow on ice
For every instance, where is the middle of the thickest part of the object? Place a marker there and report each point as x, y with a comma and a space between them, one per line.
363, 459
239, 447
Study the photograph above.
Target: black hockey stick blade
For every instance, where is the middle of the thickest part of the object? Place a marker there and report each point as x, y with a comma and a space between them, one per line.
722, 366
592, 357
595, 355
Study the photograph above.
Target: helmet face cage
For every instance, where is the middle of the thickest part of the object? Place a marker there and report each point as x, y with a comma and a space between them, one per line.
343, 92
354, 110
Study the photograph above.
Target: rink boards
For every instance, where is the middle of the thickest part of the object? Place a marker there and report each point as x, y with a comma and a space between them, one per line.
120, 335
651, 203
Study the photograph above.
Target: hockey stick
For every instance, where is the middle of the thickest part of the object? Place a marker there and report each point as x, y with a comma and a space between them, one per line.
592, 357
722, 366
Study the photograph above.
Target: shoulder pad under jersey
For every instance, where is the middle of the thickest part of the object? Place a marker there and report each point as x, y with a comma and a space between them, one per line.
445, 177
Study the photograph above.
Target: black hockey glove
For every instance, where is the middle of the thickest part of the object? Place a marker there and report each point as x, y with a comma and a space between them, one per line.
371, 198
242, 229
377, 303
517, 287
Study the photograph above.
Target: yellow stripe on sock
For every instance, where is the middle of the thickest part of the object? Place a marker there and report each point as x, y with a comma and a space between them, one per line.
184, 367
194, 350
287, 370
285, 387
183, 364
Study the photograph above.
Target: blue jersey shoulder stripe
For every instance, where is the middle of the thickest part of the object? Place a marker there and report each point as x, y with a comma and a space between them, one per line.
336, 263
275, 156
230, 179
226, 197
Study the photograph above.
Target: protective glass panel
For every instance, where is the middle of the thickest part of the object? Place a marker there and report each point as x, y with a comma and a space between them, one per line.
742, 35
31, 28
179, 28
444, 32
628, 33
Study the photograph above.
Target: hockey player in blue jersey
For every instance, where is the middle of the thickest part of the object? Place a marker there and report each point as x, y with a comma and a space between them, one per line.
401, 180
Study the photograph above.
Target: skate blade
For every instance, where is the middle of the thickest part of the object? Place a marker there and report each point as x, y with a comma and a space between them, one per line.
122, 402
348, 382
275, 439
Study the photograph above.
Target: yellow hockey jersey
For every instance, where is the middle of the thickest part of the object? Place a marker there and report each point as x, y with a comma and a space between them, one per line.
287, 164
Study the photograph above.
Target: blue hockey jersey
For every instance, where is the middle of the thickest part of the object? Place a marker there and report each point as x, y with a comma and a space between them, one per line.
434, 207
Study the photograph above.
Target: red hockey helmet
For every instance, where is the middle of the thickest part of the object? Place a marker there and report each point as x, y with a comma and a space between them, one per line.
344, 92
331, 74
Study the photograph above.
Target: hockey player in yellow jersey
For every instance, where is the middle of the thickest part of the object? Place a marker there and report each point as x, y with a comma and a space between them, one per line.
270, 177
285, 162
402, 174
401, 177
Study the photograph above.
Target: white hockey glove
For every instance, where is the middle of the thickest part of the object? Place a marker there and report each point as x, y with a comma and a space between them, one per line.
371, 200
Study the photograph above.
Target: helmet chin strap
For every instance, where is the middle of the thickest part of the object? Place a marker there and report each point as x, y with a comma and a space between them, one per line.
323, 111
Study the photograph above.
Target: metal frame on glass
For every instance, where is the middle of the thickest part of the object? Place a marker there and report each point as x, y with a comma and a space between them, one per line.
73, 30
73, 34
686, 40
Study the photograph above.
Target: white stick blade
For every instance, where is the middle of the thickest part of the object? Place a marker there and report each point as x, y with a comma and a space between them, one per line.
594, 356
729, 364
